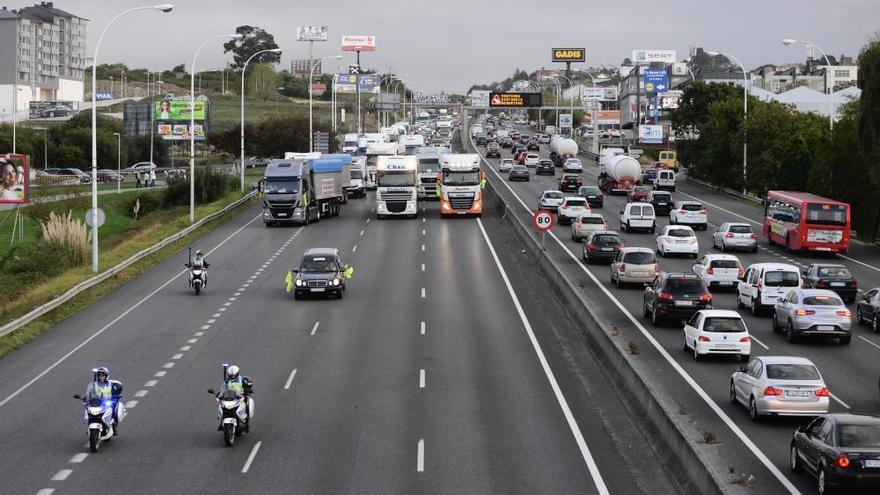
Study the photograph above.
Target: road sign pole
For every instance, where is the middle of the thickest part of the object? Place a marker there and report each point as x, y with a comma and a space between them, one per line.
543, 235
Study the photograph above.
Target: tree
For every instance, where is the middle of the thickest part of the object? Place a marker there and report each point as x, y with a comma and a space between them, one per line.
253, 39
693, 108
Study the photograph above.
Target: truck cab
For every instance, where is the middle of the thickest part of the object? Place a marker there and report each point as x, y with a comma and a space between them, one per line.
396, 186
350, 143
429, 167
459, 183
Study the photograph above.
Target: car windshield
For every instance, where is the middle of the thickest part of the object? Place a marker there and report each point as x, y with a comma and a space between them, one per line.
553, 195
691, 207
792, 372
686, 285
718, 324
680, 233
606, 239
390, 179
740, 229
281, 186
461, 178
859, 436
314, 264
834, 271
724, 264
782, 279
593, 220
639, 258
822, 301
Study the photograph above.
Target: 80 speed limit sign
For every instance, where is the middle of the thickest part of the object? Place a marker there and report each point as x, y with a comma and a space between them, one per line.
542, 220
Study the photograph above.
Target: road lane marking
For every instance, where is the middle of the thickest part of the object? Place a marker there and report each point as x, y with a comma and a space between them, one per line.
423, 231
315, 328
199, 334
423, 292
368, 220
205, 327
563, 403
131, 404
141, 393
355, 248
216, 315
422, 329
362, 232
185, 348
760, 343
870, 342
232, 299
151, 383
46, 491
221, 309
423, 219
842, 403
78, 458
62, 475
250, 459
160, 374
168, 365
289, 379
423, 247
422, 378
177, 356
423, 267
192, 341
786, 483
420, 456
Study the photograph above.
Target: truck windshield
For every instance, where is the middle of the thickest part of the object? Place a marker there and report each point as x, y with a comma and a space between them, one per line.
357, 174
461, 178
428, 167
286, 186
392, 179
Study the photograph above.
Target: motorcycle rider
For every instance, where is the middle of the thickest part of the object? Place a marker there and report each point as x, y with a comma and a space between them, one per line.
199, 262
242, 386
104, 388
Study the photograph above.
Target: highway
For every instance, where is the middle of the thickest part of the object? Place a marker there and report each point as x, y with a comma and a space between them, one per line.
447, 368
850, 371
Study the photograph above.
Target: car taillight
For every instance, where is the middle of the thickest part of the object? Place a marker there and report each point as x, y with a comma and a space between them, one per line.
772, 391
703, 338
702, 212
821, 392
844, 312
842, 461
710, 271
804, 312
600, 196
728, 235
692, 240
591, 246
622, 268
665, 296
746, 340
706, 298
754, 236
821, 283
852, 285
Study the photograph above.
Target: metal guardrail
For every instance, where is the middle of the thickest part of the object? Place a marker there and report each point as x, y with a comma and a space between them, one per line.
97, 279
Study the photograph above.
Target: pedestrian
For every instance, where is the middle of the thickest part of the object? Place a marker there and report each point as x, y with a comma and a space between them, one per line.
137, 177
152, 177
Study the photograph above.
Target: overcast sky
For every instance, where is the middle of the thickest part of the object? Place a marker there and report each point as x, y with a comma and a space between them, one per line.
450, 44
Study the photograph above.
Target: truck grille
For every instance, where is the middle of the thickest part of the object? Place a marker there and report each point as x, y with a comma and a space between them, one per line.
317, 283
396, 197
461, 202
280, 204
429, 180
395, 206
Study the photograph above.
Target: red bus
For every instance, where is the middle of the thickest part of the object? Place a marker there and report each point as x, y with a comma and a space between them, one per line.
805, 222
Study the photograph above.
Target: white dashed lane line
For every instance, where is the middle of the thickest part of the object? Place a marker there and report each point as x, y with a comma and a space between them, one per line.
420, 456
78, 458
315, 328
250, 459
62, 475
289, 379
422, 328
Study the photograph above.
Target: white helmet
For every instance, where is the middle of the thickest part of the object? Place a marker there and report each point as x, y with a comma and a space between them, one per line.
232, 372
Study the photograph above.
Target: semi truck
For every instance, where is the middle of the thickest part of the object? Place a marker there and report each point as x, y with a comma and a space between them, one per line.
619, 174
459, 184
429, 167
562, 149
358, 185
373, 152
397, 186
302, 191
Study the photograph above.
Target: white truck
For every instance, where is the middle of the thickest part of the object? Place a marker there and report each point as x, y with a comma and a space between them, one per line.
397, 186
412, 141
460, 184
358, 185
619, 174
350, 143
373, 151
429, 168
562, 149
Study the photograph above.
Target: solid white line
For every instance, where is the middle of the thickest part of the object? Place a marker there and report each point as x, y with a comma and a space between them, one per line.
355, 248
421, 378
563, 404
422, 329
46, 491
131, 404
760, 343
842, 403
141, 393
669, 359
870, 342
315, 328
112, 322
423, 292
160, 374
420, 456
62, 475
151, 383
78, 458
289, 379
250, 459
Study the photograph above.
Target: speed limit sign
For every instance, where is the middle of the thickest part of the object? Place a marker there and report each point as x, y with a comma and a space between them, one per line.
542, 220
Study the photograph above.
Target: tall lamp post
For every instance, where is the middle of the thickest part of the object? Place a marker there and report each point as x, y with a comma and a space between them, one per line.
243, 69
118, 160
745, 112
166, 7
558, 88
153, 121
312, 73
192, 123
789, 42
15, 90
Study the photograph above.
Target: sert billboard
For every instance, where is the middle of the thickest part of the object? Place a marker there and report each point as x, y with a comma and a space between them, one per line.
648, 56
311, 33
14, 174
514, 100
651, 134
175, 110
352, 43
569, 55
599, 94
52, 109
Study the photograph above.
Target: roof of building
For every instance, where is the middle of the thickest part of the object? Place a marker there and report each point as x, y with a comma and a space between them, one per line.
45, 12
7, 14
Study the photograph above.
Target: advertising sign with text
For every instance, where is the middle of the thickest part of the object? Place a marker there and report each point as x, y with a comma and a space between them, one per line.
311, 33
648, 56
358, 43
569, 54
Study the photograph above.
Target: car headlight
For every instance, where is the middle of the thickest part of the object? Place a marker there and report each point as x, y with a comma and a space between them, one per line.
298, 282
334, 282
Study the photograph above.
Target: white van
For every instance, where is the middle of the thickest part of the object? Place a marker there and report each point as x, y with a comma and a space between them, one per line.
638, 216
350, 143
665, 180
765, 283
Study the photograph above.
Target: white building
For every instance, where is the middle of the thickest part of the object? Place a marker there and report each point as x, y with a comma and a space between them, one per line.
841, 76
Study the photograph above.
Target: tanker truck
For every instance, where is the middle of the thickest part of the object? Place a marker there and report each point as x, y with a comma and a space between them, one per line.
619, 174
562, 149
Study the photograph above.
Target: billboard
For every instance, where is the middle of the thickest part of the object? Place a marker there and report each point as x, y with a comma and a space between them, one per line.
479, 98
345, 83
171, 131
178, 110
317, 89
52, 109
303, 67
369, 83
14, 175
656, 80
569, 54
607, 117
599, 94
103, 96
648, 56
311, 33
651, 134
565, 120
514, 100
670, 99
388, 102
358, 43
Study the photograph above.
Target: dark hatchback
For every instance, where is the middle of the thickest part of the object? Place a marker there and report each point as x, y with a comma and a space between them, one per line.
320, 273
601, 245
833, 277
842, 451
569, 182
545, 167
518, 172
533, 146
593, 194
661, 200
675, 295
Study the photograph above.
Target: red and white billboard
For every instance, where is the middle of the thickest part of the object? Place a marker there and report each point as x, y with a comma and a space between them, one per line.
358, 43
14, 179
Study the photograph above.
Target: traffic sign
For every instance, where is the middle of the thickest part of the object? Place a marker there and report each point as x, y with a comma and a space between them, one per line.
354, 69
100, 217
656, 80
542, 220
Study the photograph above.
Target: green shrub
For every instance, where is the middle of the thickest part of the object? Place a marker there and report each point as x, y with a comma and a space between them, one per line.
210, 186
150, 202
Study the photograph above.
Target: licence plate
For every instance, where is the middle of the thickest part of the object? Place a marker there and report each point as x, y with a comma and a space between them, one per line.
684, 303
836, 284
317, 289
606, 249
798, 393
640, 274
282, 214
872, 463
661, 204
825, 328
725, 346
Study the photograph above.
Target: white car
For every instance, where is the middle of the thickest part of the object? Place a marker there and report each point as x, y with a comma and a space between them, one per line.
572, 165
765, 283
615, 133
570, 209
638, 216
719, 270
544, 138
677, 239
506, 165
734, 235
586, 223
532, 160
689, 213
717, 331
550, 200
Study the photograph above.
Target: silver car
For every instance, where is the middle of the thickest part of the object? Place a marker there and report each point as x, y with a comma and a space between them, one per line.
505, 165
731, 235
780, 385
812, 312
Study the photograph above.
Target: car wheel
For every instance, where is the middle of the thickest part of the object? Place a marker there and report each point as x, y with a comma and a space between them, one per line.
793, 461
697, 356
647, 314
622, 226
653, 228
732, 393
845, 340
754, 307
654, 319
875, 324
774, 324
753, 410
822, 484
723, 247
789, 332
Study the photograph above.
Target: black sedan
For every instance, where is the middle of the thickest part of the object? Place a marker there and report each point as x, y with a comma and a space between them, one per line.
545, 167
518, 172
868, 309
533, 146
569, 182
833, 277
594, 196
842, 451
675, 295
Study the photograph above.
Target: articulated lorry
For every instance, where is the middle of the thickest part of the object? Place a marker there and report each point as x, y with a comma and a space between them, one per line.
301, 191
373, 152
429, 167
459, 184
397, 186
562, 149
619, 174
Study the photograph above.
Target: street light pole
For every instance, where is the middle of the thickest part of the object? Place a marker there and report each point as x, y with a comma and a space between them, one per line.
788, 42
192, 124
118, 160
162, 8
745, 114
243, 69
312, 73
153, 121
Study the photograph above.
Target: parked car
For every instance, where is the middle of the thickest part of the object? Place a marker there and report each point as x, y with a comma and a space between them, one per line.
832, 276
83, 177
719, 270
571, 208
550, 200
812, 313
677, 239
601, 245
638, 216
518, 172
765, 283
593, 194
689, 213
505, 165
107, 175
733, 235
675, 295
868, 309
717, 331
545, 167
572, 165
779, 385
638, 194
585, 223
140, 167
842, 451
661, 200
570, 182
634, 265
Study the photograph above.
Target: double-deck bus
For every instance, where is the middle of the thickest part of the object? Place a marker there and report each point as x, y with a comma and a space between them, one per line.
802, 221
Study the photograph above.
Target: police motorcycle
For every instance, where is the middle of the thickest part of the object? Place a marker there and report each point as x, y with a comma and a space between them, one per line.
98, 413
234, 409
197, 274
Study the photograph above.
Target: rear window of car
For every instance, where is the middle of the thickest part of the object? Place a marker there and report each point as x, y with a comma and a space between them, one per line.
740, 229
792, 372
834, 271
575, 202
686, 285
573, 161
691, 207
680, 233
546, 163
662, 196
726, 324
822, 301
593, 220
639, 258
553, 195
590, 190
642, 210
859, 436
782, 279
724, 264
519, 168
